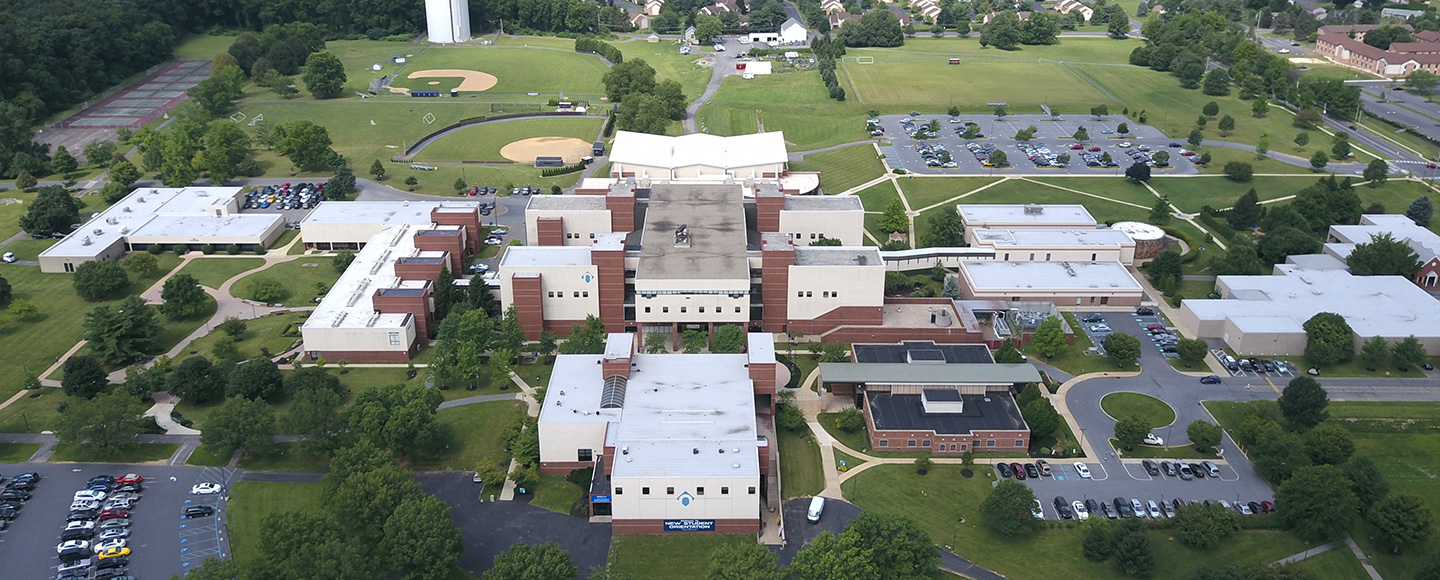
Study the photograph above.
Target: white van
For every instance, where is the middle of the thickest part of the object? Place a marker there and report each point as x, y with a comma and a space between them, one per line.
817, 507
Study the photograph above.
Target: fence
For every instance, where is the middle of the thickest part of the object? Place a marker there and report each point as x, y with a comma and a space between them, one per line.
420, 144
107, 93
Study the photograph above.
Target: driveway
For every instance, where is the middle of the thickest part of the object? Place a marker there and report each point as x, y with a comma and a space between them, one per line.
490, 528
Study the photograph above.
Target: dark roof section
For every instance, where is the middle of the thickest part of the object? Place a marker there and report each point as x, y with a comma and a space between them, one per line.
402, 292
895, 353
927, 355
438, 233
992, 412
422, 260
942, 394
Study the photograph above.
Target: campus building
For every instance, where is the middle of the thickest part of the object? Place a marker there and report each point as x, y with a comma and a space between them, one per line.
1426, 244
673, 438
1402, 58
382, 306
943, 398
1080, 283
191, 217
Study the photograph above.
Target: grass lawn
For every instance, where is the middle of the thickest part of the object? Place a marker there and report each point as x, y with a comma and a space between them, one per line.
1073, 359
301, 279
285, 239
1219, 156
1426, 149
266, 332
17, 452
1336, 564
859, 440
924, 193
29, 249
843, 169
848, 460
668, 64
477, 430
202, 46
1396, 197
251, 502
557, 494
33, 413
651, 557
1354, 368
910, 79
576, 75
1190, 194
285, 457
1117, 189
1104, 210
138, 453
483, 142
801, 470
1071, 49
1119, 405
1230, 415
213, 272
939, 500
205, 456
877, 197
796, 103
1151, 452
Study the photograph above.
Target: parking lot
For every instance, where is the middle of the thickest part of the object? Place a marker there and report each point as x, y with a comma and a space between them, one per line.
161, 540
1131, 480
1041, 155
1255, 367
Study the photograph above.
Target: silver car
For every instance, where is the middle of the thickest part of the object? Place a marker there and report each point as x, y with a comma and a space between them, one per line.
1153, 509
1138, 507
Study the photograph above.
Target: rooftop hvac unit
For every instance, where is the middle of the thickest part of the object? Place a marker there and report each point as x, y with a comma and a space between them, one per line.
374, 316
97, 231
339, 319
86, 241
355, 296
112, 221
125, 230
378, 263
127, 209
1034, 209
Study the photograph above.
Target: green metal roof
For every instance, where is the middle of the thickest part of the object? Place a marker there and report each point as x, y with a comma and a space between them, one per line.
982, 374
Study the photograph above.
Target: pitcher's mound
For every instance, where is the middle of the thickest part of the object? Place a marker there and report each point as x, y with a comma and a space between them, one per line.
473, 80
526, 150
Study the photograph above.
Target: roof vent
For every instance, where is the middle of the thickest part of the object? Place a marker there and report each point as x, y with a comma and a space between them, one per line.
682, 236
86, 241
735, 465
127, 209
722, 450
695, 451
624, 450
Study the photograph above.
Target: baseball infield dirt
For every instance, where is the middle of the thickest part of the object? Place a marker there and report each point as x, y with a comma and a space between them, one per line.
474, 80
526, 150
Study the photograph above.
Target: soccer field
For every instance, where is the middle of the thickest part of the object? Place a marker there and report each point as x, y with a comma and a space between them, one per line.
918, 79
519, 70
483, 142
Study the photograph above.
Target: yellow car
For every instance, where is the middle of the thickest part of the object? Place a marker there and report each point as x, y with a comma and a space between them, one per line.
114, 553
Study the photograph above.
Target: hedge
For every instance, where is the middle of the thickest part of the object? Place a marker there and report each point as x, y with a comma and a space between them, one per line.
610, 125
562, 170
593, 46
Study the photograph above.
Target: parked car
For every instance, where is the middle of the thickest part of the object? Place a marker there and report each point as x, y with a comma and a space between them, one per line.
1153, 509
1124, 508
1032, 471
1153, 439
1211, 470
1004, 470
1267, 507
206, 488
1145, 311
1082, 469
1137, 507
1036, 512
1210, 380
1019, 471
72, 545
1151, 467
119, 552
1081, 513
1106, 510
199, 511
1062, 507
1043, 466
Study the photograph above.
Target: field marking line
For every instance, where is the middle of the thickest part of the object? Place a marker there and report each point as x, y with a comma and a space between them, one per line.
968, 193
851, 79
1093, 82
1062, 188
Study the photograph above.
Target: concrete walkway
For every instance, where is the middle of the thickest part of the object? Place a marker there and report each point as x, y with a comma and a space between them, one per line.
1364, 560
1308, 553
164, 404
527, 394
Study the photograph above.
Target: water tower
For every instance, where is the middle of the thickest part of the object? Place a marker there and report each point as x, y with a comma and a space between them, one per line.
448, 20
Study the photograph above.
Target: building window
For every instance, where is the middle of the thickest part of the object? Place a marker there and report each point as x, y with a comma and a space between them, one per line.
669, 491
752, 490
1032, 256
647, 309
577, 293
645, 491
682, 309
592, 235
812, 236
835, 294
584, 455
809, 294
702, 309
665, 309
619, 491
884, 442
825, 294
699, 491
1047, 256
990, 443
963, 447
1019, 443
925, 443
1007, 256
724, 491
586, 293
952, 446
1092, 257
394, 339
799, 294
737, 308
911, 443
549, 294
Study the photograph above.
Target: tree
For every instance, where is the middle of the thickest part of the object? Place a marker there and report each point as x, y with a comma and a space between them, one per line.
1133, 555
728, 339
367, 499
1210, 109
894, 219
1131, 431
6, 292
1341, 148
950, 288
63, 162
1376, 172
400, 418
24, 180
257, 378
99, 153
124, 173
1138, 172
644, 113
1421, 211
900, 549
1081, 134
302, 545
306, 144
627, 78
121, 333
1408, 352
1041, 416
1278, 453
1375, 352
1247, 211
1365, 481
1227, 123
1195, 138
53, 210
1401, 519
1007, 354
212, 569
1007, 509
1119, 27
1122, 349
1302, 138
84, 377
105, 424
1002, 32
1203, 434
744, 561
377, 170
1383, 255
586, 339
944, 229
998, 158
1286, 241
182, 297
1161, 158
421, 537
1303, 401
99, 280
1329, 339
1329, 444
1262, 146
1160, 212
324, 75
1319, 505
266, 289
1239, 171
240, 423
1319, 160
342, 260
341, 186
1099, 111
21, 309
1422, 82
655, 343
1049, 337
1204, 527
521, 562
1096, 545
1192, 351
316, 416
196, 381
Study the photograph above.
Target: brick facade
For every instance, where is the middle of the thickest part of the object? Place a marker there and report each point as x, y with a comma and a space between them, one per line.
746, 526
403, 302
550, 231
452, 241
610, 266
940, 444
529, 304
777, 254
467, 218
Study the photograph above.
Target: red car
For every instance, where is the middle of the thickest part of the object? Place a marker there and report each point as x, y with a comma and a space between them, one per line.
113, 515
1267, 507
1019, 470
1431, 166
129, 478
1188, 153
1094, 149
1077, 146
1155, 327
1198, 162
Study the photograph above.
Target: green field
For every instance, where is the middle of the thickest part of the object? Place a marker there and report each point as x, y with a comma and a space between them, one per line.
904, 78
1069, 49
17, 452
138, 453
251, 501
842, 169
1024, 191
266, 332
285, 457
1121, 405
668, 63
483, 142
795, 103
801, 471
202, 46
647, 557
1219, 156
205, 456
557, 494
212, 272
1336, 564
938, 501
299, 277
477, 430
514, 68
924, 193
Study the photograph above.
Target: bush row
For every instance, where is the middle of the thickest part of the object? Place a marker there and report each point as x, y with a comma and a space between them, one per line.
610, 125
591, 45
562, 170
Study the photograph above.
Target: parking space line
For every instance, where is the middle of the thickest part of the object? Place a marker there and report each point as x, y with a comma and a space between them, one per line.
1127, 465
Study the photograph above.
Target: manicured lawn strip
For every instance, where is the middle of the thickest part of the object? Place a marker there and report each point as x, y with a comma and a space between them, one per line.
1151, 452
205, 456
1121, 405
17, 452
298, 280
1230, 415
10, 214
1335, 71
850, 461
647, 557
859, 440
251, 502
483, 142
1396, 196
1427, 149
284, 239
843, 169
1191, 193
795, 103
29, 249
877, 197
32, 413
202, 46
576, 75
1119, 189
908, 79
1400, 413
285, 457
477, 430
1073, 360
556, 494
1071, 49
1338, 563
213, 272
265, 332
801, 470
1219, 156
939, 500
1353, 368
923, 193
138, 453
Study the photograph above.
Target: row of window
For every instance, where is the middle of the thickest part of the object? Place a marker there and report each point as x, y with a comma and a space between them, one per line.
671, 491
570, 236
798, 236
926, 443
561, 294
823, 294
1093, 256
666, 309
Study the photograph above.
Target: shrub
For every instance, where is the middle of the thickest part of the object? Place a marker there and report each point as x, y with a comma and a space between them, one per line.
259, 250
180, 249
155, 249
207, 249
232, 249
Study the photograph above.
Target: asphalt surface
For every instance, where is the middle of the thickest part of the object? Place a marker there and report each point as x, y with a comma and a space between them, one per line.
1054, 133
1403, 107
162, 543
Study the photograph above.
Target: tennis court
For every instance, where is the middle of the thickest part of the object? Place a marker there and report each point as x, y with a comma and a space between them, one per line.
144, 101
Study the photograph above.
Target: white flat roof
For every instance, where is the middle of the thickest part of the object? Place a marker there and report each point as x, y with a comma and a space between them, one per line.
521, 256
997, 275
200, 227
158, 212
1387, 306
381, 213
674, 405
1053, 238
1425, 242
350, 302
699, 149
566, 202
980, 215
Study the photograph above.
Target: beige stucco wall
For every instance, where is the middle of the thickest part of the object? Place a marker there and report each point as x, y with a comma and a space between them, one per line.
564, 282
855, 285
560, 441
319, 339
805, 227
586, 223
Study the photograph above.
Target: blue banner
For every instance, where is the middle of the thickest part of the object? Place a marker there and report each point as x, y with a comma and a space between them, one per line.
689, 525
600, 499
